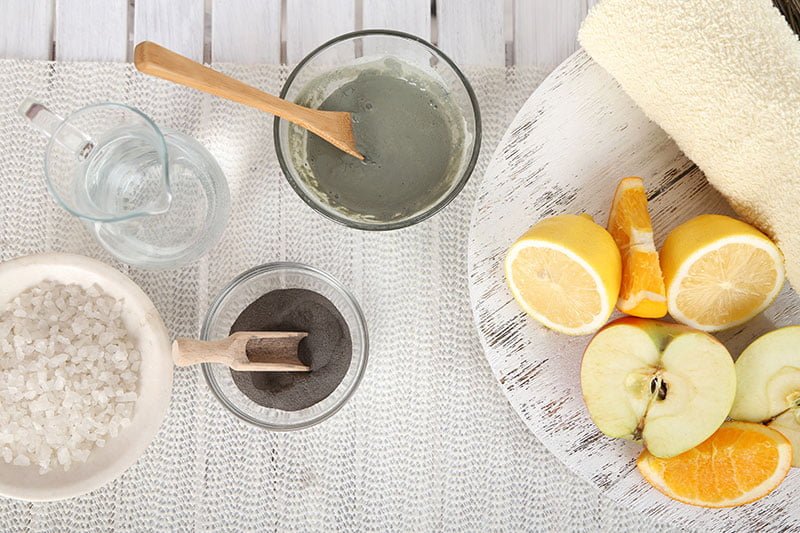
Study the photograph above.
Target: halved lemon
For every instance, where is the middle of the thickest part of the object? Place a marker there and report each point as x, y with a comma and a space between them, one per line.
565, 272
740, 463
719, 272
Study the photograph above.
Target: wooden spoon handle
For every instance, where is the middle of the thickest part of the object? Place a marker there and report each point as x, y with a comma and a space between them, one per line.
161, 62
187, 352
333, 126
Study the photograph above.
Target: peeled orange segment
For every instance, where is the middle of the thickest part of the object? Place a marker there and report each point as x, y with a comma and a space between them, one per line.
565, 273
738, 464
719, 272
642, 291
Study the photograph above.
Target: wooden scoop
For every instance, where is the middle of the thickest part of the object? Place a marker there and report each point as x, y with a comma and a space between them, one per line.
273, 351
336, 127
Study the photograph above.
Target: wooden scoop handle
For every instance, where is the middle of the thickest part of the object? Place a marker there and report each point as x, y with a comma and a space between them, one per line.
279, 351
187, 352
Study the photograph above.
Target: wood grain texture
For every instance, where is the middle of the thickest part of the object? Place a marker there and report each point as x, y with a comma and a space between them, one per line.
249, 31
245, 351
26, 29
246, 31
564, 153
472, 32
410, 16
309, 23
176, 24
546, 32
91, 30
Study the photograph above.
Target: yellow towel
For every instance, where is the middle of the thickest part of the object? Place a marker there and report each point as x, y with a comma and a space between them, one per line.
722, 77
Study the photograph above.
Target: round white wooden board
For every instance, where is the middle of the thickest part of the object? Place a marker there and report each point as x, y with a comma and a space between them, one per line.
572, 141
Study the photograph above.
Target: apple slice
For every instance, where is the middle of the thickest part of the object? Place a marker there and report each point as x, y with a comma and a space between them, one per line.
788, 424
668, 385
768, 384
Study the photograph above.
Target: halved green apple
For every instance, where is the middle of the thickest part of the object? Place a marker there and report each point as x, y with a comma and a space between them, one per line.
768, 384
667, 385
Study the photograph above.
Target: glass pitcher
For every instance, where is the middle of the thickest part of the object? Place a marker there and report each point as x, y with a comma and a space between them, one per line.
154, 199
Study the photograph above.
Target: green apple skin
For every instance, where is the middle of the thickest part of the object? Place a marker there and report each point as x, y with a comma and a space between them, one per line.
768, 384
618, 371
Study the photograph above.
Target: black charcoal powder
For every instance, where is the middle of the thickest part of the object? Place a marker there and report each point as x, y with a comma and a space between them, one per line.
327, 349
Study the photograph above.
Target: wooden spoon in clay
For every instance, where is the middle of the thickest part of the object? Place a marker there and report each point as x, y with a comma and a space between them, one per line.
336, 127
245, 351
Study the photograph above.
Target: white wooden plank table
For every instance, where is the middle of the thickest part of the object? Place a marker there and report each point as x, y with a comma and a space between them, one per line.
474, 32
76, 30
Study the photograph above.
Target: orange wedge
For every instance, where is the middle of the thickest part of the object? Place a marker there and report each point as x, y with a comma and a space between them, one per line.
642, 291
740, 463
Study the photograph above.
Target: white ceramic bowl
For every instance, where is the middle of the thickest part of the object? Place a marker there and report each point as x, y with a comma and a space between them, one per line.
155, 377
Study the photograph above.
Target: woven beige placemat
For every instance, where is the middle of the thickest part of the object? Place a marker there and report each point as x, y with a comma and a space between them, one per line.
428, 443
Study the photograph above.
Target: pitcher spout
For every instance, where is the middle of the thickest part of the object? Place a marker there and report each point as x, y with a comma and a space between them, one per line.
161, 204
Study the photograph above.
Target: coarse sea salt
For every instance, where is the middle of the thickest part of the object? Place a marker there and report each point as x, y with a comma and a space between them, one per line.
69, 371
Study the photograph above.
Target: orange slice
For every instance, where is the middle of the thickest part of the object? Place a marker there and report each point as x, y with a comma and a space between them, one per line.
740, 463
642, 291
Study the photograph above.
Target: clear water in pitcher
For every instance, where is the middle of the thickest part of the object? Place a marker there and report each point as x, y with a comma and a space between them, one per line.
124, 174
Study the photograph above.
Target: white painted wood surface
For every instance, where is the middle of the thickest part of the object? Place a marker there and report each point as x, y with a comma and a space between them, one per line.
475, 32
246, 31
77, 36
26, 29
410, 16
564, 153
542, 29
309, 23
175, 24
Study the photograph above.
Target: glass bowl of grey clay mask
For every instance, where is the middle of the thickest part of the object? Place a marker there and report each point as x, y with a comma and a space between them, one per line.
415, 118
289, 297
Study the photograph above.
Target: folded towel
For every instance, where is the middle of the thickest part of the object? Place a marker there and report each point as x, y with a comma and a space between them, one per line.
722, 77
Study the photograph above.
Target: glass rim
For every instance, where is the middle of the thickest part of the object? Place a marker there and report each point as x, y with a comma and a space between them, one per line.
428, 212
305, 269
161, 148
